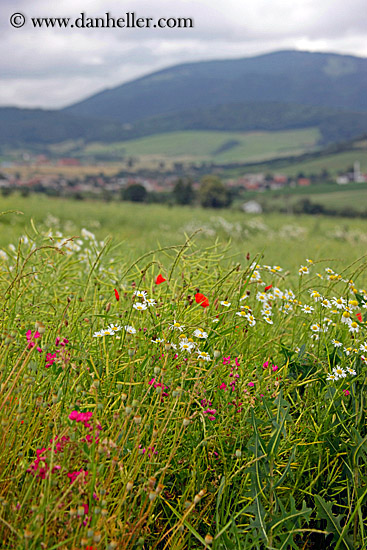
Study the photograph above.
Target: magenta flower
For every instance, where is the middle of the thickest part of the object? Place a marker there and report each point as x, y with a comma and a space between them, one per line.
31, 339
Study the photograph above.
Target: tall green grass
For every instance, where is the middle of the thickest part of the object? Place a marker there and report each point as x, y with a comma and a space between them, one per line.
254, 448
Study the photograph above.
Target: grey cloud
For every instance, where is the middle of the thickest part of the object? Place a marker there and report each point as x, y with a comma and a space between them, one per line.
55, 67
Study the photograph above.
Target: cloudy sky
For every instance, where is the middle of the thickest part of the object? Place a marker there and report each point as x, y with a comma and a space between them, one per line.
55, 67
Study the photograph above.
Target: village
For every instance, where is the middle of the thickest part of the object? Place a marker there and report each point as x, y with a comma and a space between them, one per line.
100, 182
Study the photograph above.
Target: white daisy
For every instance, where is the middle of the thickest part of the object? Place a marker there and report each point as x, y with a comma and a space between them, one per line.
199, 333
140, 306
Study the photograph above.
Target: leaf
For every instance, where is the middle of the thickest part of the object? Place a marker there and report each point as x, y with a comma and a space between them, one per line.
219, 497
302, 351
287, 468
333, 522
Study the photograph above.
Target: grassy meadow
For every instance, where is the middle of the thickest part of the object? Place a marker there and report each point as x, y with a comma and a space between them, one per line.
176, 378
205, 145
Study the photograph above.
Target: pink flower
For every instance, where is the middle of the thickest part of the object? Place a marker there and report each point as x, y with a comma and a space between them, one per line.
265, 365
237, 362
223, 386
226, 360
73, 475
346, 392
251, 384
81, 417
274, 368
30, 339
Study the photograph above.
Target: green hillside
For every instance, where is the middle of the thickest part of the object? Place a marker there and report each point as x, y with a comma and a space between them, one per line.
308, 78
219, 147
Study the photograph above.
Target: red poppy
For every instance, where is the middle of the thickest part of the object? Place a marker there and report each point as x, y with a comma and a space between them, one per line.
268, 287
159, 280
117, 296
359, 317
201, 299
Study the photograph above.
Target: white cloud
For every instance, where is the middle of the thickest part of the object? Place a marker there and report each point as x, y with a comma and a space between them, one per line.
51, 68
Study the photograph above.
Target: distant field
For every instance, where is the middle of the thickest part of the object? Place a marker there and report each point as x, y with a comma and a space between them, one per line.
211, 145
344, 198
332, 163
140, 228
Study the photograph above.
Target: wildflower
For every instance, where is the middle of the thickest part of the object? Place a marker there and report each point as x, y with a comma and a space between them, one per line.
117, 296
225, 303
159, 280
201, 300
277, 292
332, 377
346, 392
363, 347
223, 386
140, 306
129, 329
339, 303
261, 297
107, 332
315, 327
287, 308
150, 302
114, 328
336, 343
157, 340
199, 333
81, 417
185, 345
307, 309
289, 294
350, 371
50, 359
268, 320
345, 317
31, 339
315, 295
353, 327
303, 270
204, 356
97, 334
175, 325
268, 288
251, 384
140, 294
339, 372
